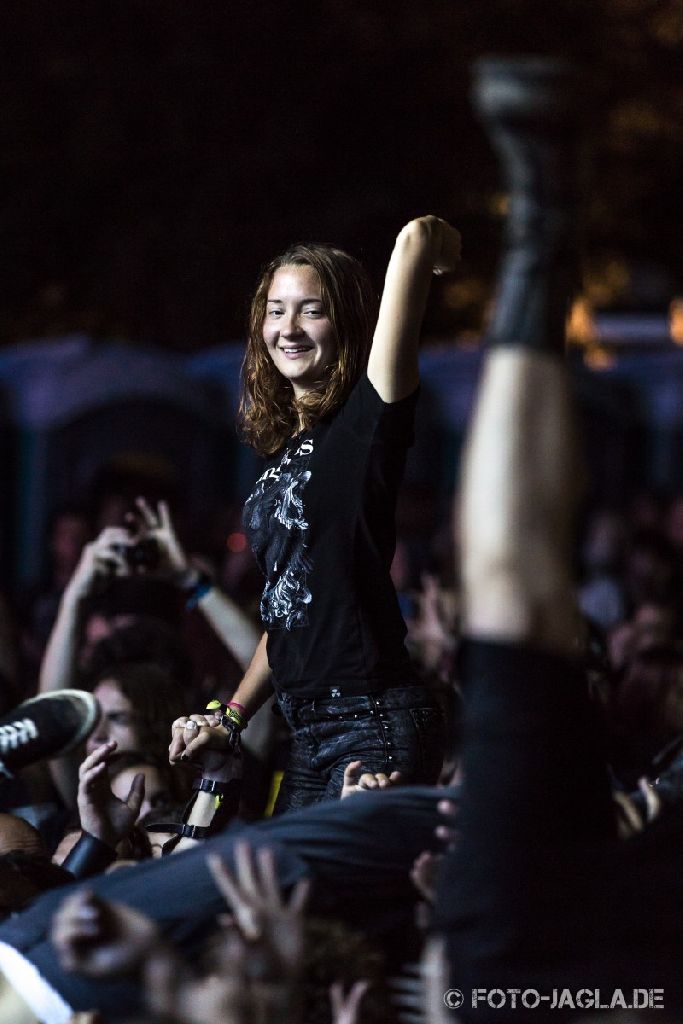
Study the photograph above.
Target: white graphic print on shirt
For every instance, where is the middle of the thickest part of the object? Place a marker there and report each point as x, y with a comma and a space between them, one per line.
274, 516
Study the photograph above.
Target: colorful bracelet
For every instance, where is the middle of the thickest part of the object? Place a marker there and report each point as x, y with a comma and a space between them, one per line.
229, 713
201, 588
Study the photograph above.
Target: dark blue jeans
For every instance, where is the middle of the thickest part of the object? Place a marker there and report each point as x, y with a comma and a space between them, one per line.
400, 729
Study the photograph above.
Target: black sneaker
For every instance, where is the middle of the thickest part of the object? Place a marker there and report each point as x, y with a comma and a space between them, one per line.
45, 726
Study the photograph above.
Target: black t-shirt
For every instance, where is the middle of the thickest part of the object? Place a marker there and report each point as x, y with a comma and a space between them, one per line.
321, 524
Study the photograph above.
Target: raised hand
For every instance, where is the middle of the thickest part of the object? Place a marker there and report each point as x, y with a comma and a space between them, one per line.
103, 557
345, 1007
448, 252
265, 918
424, 874
101, 939
102, 814
358, 781
156, 525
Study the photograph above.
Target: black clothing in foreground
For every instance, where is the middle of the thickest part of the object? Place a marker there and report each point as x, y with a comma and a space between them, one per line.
358, 853
321, 524
539, 893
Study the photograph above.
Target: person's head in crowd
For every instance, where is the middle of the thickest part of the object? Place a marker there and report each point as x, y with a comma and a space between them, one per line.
127, 601
656, 625
25, 868
653, 625
332, 952
650, 568
148, 639
121, 480
69, 532
647, 707
337, 303
138, 702
18, 835
160, 784
335, 952
603, 547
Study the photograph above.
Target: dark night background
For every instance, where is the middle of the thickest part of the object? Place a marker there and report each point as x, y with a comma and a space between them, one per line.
155, 153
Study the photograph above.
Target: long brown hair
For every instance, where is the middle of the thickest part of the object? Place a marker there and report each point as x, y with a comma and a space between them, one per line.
269, 413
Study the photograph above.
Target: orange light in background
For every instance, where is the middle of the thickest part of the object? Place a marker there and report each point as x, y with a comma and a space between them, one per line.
597, 359
580, 323
676, 320
236, 543
499, 204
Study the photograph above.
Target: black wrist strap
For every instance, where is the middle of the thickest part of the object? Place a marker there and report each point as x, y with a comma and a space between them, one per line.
226, 809
180, 829
211, 786
90, 856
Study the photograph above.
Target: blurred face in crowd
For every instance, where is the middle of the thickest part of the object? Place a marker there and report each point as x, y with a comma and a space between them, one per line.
69, 536
156, 790
99, 627
118, 720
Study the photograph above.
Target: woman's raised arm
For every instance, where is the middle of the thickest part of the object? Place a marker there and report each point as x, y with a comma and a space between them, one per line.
423, 247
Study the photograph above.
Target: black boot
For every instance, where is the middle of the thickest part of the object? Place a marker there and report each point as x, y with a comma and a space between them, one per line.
530, 110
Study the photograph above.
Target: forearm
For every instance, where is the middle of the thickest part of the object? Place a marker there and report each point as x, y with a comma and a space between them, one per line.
233, 627
58, 668
205, 805
392, 366
256, 685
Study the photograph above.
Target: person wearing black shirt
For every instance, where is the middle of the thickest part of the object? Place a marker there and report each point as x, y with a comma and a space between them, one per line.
331, 408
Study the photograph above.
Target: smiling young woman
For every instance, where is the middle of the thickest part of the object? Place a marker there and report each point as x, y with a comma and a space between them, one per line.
331, 406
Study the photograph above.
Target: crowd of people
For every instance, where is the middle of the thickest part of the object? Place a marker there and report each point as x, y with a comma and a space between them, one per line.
299, 809
117, 630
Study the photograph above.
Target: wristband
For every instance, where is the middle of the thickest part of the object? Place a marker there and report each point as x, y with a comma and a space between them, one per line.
230, 718
180, 829
200, 589
233, 719
212, 786
90, 856
227, 796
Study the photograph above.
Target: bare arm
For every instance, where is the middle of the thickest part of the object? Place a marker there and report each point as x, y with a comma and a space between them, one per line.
207, 746
235, 629
59, 665
256, 685
423, 247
